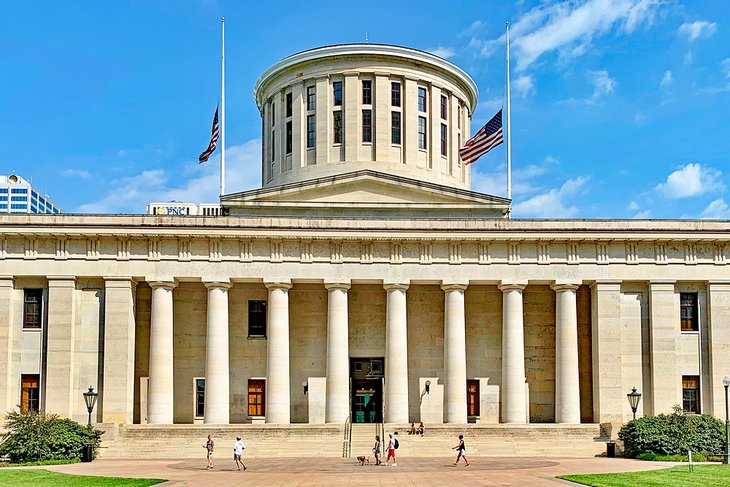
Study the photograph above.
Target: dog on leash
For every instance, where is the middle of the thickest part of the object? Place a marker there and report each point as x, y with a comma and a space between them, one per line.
363, 459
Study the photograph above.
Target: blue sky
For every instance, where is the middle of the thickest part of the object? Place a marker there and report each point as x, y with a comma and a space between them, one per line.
620, 108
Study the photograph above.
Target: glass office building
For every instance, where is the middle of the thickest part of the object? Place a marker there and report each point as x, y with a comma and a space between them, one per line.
18, 196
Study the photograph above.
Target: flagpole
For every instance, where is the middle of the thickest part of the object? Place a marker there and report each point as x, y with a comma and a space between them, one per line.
509, 131
223, 107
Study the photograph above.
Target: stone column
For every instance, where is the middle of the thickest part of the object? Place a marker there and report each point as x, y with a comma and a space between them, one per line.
217, 373
160, 395
396, 354
567, 384
7, 401
666, 378
608, 395
119, 340
514, 399
337, 406
60, 345
454, 354
278, 400
718, 342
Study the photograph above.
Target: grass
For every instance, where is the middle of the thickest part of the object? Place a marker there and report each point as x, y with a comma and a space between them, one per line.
696, 457
15, 477
41, 462
703, 475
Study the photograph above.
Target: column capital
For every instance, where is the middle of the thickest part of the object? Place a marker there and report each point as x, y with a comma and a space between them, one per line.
453, 286
61, 281
394, 286
562, 286
512, 286
282, 284
7, 281
217, 284
119, 281
343, 284
169, 285
607, 284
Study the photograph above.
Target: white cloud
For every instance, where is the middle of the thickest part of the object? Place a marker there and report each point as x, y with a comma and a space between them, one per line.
642, 215
603, 85
639, 118
131, 194
444, 52
523, 86
633, 206
697, 30
552, 204
725, 67
716, 210
76, 173
691, 180
474, 28
666, 79
688, 58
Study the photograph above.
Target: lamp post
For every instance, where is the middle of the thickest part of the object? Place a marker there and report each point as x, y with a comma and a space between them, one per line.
90, 400
634, 397
726, 383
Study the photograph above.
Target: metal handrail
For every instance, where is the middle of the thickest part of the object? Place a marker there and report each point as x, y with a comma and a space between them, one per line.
347, 440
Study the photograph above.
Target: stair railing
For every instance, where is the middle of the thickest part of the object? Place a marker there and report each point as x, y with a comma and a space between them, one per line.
347, 440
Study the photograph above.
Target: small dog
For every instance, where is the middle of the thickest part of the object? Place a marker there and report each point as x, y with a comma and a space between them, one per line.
363, 459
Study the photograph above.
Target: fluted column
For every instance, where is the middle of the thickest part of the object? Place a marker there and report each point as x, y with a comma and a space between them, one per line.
454, 354
514, 407
567, 385
160, 396
217, 365
396, 354
338, 356
278, 400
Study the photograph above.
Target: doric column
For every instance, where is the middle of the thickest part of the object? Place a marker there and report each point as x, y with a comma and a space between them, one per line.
396, 354
119, 328
609, 396
217, 373
278, 398
61, 347
567, 385
338, 368
454, 354
160, 396
514, 407
7, 400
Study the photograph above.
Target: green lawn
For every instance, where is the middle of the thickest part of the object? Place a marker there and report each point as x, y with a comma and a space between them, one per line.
15, 477
703, 475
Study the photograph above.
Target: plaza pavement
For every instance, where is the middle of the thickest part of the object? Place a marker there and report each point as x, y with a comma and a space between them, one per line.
301, 472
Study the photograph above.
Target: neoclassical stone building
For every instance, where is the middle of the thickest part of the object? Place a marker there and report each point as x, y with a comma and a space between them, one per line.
363, 279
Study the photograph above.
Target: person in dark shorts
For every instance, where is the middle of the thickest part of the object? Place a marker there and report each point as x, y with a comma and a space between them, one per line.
238, 448
460, 451
209, 447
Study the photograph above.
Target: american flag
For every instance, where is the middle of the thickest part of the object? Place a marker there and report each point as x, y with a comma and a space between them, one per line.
488, 137
213, 140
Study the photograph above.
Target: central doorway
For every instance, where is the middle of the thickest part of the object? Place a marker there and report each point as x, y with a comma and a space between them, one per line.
366, 376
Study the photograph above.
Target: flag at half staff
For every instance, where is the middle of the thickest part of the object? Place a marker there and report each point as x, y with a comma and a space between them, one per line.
488, 137
213, 140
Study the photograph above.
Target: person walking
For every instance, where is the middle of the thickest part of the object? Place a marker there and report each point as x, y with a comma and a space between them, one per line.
238, 448
376, 450
460, 451
391, 450
210, 447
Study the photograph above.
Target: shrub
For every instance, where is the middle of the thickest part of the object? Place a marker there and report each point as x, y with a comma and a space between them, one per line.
33, 437
673, 434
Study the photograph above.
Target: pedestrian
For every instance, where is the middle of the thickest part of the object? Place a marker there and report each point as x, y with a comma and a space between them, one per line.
460, 451
392, 445
209, 447
376, 450
238, 448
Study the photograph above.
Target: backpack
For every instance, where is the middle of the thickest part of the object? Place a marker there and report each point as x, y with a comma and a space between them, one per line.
395, 443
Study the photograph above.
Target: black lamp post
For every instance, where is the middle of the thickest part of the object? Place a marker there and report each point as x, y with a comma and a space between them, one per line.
726, 383
634, 397
90, 400
428, 387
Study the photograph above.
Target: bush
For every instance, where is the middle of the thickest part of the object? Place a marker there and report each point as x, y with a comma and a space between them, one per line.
673, 434
696, 457
34, 437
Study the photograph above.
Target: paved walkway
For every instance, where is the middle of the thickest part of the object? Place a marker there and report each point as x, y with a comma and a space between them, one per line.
300, 472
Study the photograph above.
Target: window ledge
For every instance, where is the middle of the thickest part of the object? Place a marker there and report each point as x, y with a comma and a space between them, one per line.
33, 330
690, 332
256, 337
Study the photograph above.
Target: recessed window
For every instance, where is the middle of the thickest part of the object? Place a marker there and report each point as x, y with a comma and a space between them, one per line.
273, 113
288, 137
367, 92
288, 104
199, 397
256, 318
311, 97
444, 107
421, 99
337, 92
32, 307
257, 397
30, 392
443, 139
273, 146
395, 127
691, 394
337, 124
421, 132
395, 94
458, 116
367, 125
311, 130
688, 311
472, 397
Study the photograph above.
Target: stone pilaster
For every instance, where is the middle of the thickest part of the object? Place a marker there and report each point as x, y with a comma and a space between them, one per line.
664, 332
514, 399
454, 354
567, 383
160, 395
278, 400
718, 311
6, 342
337, 406
217, 365
60, 345
396, 354
608, 395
